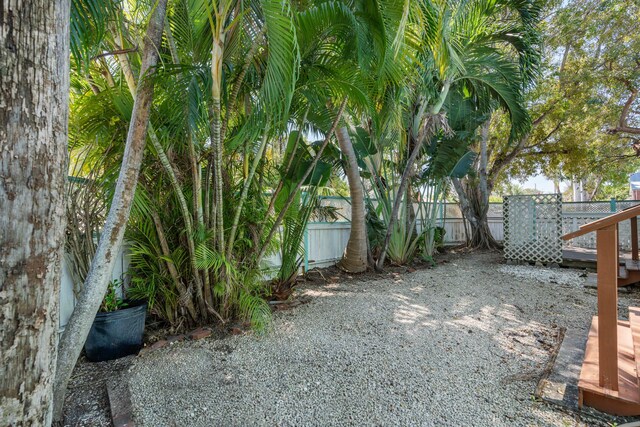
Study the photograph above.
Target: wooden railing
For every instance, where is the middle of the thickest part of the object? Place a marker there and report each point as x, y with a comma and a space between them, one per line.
606, 230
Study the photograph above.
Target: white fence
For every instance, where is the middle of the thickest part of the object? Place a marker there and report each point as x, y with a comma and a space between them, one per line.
574, 214
325, 242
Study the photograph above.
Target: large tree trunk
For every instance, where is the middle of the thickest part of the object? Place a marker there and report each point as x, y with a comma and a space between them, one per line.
34, 105
474, 205
474, 194
99, 275
354, 259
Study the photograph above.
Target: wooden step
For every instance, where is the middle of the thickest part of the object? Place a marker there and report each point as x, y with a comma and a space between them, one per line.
625, 400
623, 273
625, 278
633, 277
634, 324
632, 265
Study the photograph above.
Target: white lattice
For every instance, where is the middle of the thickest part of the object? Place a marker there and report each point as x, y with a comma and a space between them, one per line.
532, 227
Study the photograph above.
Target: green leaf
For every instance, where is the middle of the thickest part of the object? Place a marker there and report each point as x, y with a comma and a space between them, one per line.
463, 165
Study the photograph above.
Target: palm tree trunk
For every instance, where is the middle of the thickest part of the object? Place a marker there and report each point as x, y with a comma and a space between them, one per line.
354, 259
185, 298
195, 167
419, 140
205, 301
33, 169
404, 180
216, 123
95, 285
186, 216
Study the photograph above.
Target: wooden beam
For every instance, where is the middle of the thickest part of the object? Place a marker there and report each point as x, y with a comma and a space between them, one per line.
634, 238
604, 222
573, 234
607, 253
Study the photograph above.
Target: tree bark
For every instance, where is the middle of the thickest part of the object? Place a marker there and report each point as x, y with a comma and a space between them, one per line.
354, 259
217, 50
471, 201
34, 106
110, 242
474, 194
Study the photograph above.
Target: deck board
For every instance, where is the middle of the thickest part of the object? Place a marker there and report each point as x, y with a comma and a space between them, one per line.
624, 401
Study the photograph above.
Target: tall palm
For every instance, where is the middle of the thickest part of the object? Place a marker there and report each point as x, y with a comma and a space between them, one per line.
361, 45
483, 47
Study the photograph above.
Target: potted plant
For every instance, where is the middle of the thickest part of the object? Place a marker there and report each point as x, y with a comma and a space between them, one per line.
118, 328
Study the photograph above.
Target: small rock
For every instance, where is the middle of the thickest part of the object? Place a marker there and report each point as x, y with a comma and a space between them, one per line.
176, 338
200, 333
158, 344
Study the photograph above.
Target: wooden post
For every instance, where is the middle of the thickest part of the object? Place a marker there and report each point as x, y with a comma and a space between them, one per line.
607, 253
634, 238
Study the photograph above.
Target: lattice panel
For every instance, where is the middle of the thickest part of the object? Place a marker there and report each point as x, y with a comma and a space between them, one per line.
586, 207
626, 204
532, 227
589, 240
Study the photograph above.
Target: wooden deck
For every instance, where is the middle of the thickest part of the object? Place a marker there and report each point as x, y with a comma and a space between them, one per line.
584, 258
626, 399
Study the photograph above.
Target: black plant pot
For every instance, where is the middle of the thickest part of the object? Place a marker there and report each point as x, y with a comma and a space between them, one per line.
116, 333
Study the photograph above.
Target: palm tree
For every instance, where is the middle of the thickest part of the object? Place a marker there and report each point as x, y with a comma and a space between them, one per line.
259, 60
360, 44
487, 49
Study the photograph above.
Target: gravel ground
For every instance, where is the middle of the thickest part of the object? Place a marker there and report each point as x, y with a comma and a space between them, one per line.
461, 344
86, 403
546, 275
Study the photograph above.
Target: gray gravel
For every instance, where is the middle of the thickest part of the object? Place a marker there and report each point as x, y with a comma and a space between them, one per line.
560, 276
86, 403
459, 345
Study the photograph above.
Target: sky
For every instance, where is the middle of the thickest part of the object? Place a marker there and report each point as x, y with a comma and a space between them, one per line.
541, 183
